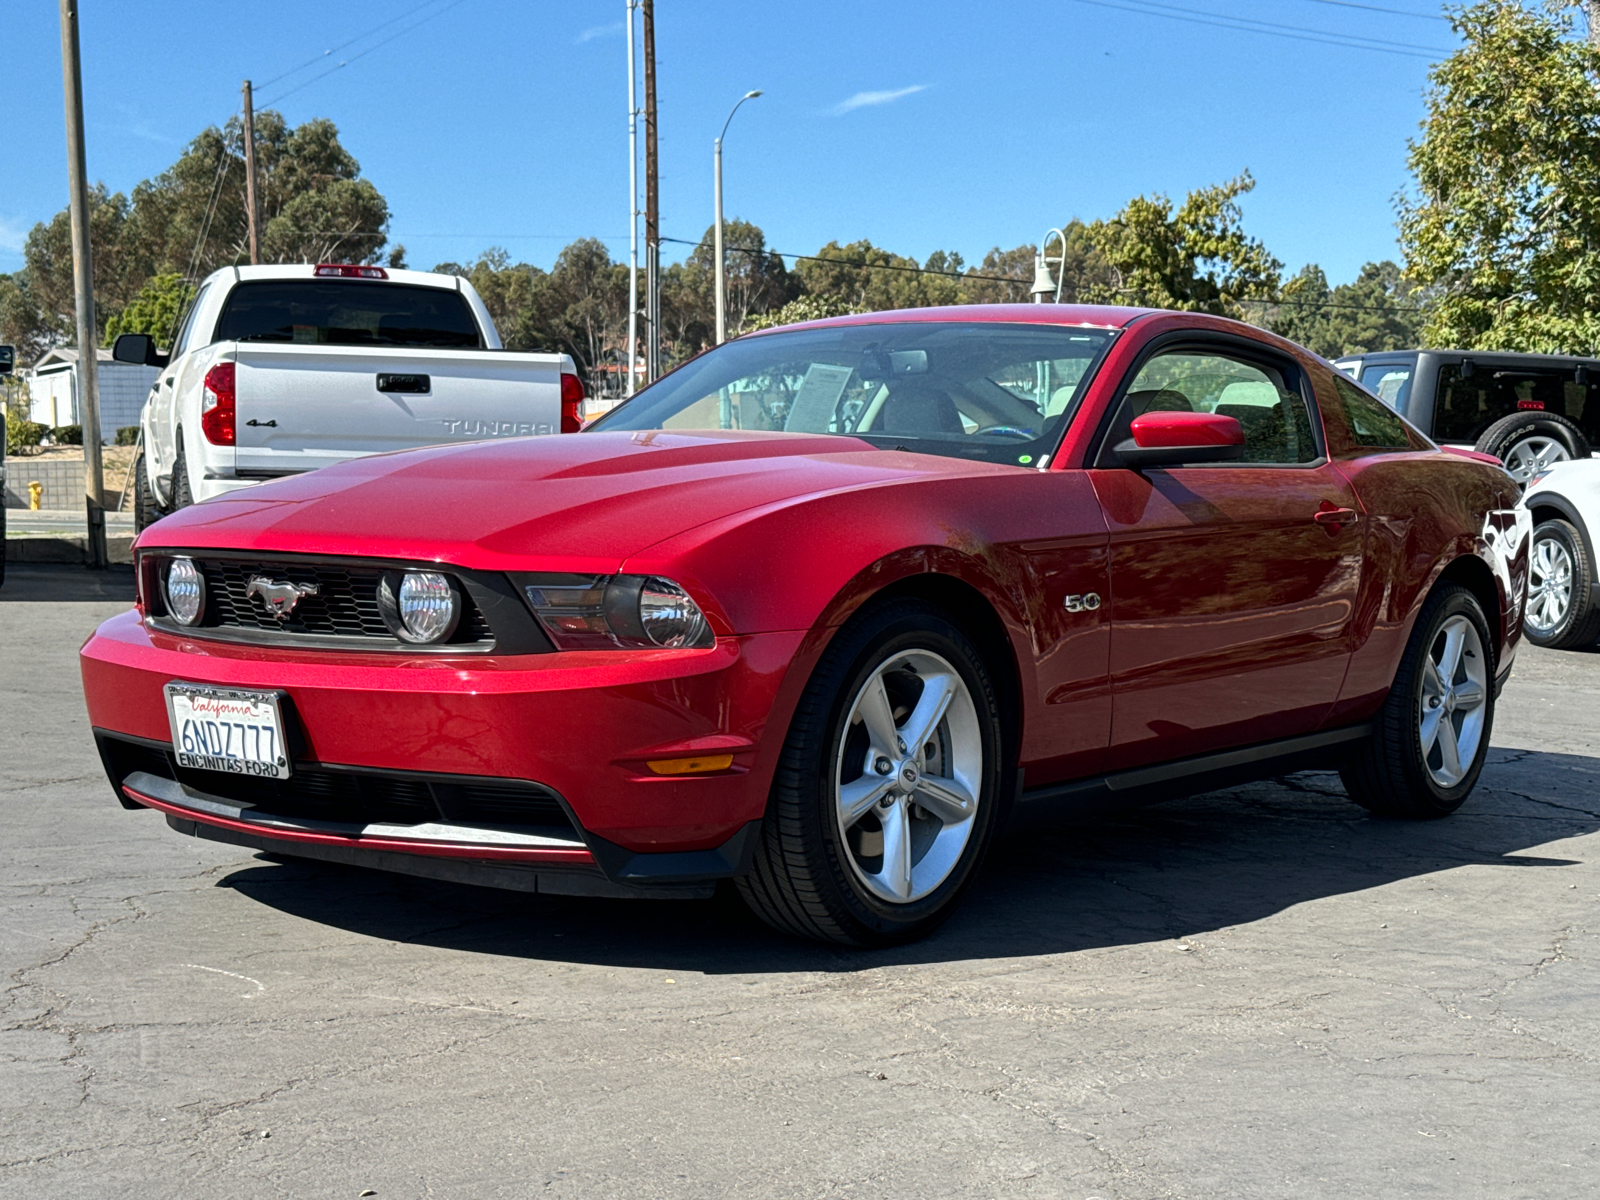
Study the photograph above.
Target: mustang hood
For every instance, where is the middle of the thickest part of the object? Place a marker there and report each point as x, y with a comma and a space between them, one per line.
576, 503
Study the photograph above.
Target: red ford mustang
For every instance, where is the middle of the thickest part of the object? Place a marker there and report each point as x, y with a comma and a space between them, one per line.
824, 611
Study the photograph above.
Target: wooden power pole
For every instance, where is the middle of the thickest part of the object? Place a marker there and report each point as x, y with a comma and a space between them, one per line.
1591, 9
250, 174
652, 203
83, 286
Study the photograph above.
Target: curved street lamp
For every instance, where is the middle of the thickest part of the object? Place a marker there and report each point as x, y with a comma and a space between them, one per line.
722, 282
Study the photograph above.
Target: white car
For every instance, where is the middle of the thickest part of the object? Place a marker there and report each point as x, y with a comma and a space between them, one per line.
1563, 608
278, 370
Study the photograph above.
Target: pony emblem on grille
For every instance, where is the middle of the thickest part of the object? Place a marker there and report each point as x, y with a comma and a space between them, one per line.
279, 599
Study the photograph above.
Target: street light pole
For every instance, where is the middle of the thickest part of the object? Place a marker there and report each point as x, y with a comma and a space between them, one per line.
633, 210
722, 280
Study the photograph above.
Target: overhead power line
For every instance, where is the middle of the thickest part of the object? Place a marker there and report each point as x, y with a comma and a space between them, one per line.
310, 62
356, 57
1378, 8
1299, 33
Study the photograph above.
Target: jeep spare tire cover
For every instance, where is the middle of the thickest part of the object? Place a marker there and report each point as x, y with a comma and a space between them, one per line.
1528, 442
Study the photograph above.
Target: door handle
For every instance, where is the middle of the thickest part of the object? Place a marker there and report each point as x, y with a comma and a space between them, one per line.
1333, 518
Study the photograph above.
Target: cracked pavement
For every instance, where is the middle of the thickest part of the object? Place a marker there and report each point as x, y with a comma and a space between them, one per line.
1259, 992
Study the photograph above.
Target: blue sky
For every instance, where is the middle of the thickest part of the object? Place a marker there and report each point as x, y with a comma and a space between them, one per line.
919, 124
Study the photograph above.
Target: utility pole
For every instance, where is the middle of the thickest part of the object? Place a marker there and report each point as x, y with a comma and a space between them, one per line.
1591, 9
83, 286
652, 203
633, 211
250, 174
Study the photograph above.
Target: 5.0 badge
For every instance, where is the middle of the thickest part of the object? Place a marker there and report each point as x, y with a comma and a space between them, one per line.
1087, 602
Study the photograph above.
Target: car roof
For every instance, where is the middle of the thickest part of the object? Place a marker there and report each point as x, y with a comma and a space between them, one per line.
1093, 316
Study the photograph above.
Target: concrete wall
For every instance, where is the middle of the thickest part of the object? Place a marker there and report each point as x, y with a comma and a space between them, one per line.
63, 483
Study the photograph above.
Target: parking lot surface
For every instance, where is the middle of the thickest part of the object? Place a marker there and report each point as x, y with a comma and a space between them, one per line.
1259, 992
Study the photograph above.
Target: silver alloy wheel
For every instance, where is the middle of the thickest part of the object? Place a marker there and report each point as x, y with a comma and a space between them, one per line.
1532, 455
1454, 701
909, 776
1549, 585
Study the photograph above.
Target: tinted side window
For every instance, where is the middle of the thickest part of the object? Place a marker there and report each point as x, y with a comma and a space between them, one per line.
1265, 400
182, 342
1371, 424
1466, 406
1392, 384
347, 313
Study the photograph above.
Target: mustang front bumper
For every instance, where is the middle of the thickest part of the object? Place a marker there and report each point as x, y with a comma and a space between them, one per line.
418, 763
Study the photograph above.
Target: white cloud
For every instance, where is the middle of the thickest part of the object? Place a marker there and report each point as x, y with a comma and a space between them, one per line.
595, 31
867, 99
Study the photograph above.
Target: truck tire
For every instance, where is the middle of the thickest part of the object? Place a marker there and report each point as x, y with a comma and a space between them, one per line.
1528, 442
889, 785
1431, 736
1560, 613
147, 509
182, 495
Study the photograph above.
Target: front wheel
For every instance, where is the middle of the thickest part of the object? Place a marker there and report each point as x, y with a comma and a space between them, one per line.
1430, 737
147, 509
887, 793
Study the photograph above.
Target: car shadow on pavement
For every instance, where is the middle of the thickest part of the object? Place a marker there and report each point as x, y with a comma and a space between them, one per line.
58, 582
1171, 871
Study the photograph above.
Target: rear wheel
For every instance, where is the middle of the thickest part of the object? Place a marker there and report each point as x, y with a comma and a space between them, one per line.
1431, 736
1529, 442
1561, 612
885, 798
147, 509
182, 495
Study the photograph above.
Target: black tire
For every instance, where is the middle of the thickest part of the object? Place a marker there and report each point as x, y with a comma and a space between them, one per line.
147, 509
2, 527
799, 880
1502, 438
182, 495
1388, 775
1579, 625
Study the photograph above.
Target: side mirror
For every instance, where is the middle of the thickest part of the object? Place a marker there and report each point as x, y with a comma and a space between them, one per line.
1165, 439
137, 348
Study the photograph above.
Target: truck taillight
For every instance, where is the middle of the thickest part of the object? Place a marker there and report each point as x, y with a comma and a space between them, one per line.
571, 403
216, 406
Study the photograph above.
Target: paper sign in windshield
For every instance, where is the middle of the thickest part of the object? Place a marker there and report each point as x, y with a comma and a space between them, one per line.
818, 397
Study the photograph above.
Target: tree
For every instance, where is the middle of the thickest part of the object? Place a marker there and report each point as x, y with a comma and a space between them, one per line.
22, 324
155, 310
804, 308
1381, 310
1503, 220
1197, 259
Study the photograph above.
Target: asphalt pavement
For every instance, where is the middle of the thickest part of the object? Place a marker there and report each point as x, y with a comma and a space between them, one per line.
1259, 992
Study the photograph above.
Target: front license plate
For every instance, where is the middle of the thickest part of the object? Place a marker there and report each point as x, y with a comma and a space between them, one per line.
221, 729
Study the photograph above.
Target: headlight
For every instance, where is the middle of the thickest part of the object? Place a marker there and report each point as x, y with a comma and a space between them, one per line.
421, 607
603, 612
186, 591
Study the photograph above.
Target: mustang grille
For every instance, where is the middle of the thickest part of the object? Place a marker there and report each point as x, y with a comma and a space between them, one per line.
345, 603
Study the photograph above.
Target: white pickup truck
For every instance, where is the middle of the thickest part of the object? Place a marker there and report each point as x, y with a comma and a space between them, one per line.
282, 369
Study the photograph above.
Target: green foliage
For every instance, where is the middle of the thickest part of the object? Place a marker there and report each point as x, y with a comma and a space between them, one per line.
1381, 310
191, 219
803, 308
22, 436
128, 435
1197, 259
1504, 218
67, 435
155, 310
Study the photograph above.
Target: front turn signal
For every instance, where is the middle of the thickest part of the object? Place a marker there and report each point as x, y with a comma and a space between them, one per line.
691, 766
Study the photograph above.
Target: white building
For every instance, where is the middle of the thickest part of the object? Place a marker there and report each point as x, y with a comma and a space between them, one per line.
123, 388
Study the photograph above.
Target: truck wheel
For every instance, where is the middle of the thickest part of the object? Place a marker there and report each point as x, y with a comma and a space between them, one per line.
887, 791
1528, 442
1430, 737
182, 496
147, 509
1561, 613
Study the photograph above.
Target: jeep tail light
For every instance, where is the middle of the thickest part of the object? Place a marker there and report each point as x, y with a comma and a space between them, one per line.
571, 403
216, 406
348, 271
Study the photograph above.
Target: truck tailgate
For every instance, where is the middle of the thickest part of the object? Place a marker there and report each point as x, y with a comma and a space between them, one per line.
304, 406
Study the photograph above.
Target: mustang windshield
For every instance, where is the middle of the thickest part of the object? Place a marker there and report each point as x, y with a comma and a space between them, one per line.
998, 392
